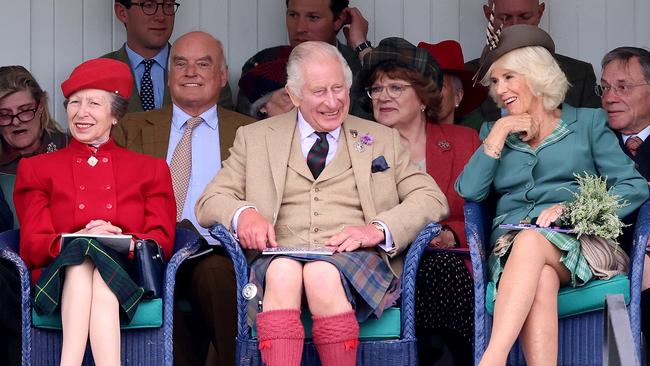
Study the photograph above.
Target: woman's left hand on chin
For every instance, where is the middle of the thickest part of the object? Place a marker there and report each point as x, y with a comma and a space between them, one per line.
100, 227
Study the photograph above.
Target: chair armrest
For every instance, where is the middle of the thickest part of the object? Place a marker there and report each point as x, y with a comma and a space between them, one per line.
186, 243
411, 263
240, 265
637, 255
477, 229
9, 242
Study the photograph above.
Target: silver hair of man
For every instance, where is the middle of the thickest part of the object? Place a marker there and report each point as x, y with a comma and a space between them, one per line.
312, 51
625, 54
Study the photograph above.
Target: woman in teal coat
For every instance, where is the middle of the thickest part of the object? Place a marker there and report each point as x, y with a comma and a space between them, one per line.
528, 160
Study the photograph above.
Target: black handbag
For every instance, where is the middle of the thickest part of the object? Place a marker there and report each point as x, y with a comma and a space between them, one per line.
149, 267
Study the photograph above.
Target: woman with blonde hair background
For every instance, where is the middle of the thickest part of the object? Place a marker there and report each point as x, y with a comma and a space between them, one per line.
25, 123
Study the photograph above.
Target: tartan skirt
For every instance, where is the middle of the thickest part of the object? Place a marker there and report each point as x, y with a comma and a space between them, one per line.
111, 266
572, 258
369, 284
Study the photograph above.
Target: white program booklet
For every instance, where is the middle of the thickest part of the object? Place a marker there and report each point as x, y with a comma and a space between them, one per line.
292, 250
119, 243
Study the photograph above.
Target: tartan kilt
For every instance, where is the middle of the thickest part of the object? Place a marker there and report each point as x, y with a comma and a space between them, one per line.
369, 284
111, 266
572, 258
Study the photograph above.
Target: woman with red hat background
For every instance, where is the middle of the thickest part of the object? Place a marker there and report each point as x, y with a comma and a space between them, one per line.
91, 187
408, 92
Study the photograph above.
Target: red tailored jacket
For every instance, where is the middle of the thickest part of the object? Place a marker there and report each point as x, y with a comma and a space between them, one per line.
60, 193
448, 149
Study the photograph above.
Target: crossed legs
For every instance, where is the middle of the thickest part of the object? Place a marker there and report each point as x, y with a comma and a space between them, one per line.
89, 308
526, 303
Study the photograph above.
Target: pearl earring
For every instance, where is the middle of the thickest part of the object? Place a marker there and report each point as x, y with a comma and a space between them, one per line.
457, 105
114, 122
422, 108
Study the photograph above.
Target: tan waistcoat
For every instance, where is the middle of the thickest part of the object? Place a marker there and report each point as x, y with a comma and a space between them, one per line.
314, 210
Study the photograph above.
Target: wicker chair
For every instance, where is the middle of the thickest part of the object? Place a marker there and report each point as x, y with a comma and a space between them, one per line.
580, 338
401, 351
151, 346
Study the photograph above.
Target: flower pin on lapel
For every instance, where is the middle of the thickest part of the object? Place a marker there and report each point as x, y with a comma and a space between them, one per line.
366, 139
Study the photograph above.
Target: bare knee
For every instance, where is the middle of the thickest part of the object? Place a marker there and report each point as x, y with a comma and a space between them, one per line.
101, 291
324, 288
283, 284
86, 266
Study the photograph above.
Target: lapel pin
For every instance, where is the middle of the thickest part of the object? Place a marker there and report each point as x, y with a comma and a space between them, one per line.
92, 160
444, 144
354, 133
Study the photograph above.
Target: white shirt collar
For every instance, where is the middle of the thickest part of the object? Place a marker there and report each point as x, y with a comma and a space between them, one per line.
643, 135
179, 117
306, 129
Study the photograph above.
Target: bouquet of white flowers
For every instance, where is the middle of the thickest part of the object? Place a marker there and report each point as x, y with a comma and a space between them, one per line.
593, 209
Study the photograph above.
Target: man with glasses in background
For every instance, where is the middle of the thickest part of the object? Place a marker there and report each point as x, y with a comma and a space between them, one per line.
149, 25
625, 93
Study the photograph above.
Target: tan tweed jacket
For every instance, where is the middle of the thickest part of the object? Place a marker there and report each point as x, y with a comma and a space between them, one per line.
401, 196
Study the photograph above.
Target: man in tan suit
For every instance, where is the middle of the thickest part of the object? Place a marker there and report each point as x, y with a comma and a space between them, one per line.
197, 75
316, 178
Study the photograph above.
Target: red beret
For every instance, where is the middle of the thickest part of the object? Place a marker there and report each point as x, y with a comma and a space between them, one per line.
100, 73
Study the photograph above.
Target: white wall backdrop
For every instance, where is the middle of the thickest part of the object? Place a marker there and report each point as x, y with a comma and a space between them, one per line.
50, 37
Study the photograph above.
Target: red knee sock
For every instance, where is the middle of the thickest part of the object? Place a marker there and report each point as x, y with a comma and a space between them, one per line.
336, 338
281, 337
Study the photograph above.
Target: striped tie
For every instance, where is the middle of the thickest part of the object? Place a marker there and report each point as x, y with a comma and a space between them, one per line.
146, 86
318, 154
632, 144
181, 165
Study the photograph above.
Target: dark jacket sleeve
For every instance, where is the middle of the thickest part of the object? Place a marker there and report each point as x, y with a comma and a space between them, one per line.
6, 216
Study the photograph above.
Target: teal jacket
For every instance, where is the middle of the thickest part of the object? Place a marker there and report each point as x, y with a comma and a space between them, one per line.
527, 181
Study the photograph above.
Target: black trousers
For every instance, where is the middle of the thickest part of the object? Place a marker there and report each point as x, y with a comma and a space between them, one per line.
208, 284
10, 315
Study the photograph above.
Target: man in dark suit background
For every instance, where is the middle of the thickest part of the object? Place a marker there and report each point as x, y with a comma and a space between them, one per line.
149, 25
625, 92
197, 74
308, 20
580, 74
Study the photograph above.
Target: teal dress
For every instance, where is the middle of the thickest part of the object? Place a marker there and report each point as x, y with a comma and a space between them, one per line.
527, 181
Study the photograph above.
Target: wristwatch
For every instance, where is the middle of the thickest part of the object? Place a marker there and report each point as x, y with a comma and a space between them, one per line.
379, 227
362, 46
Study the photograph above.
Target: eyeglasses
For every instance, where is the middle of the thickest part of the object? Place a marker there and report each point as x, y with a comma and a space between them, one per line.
151, 7
393, 90
23, 116
622, 89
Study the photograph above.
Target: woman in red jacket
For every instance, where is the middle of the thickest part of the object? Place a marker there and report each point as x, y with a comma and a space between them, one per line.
91, 187
408, 92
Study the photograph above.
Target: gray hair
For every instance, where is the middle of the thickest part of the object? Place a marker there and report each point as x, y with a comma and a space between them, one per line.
119, 106
254, 110
625, 54
456, 83
312, 51
539, 68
